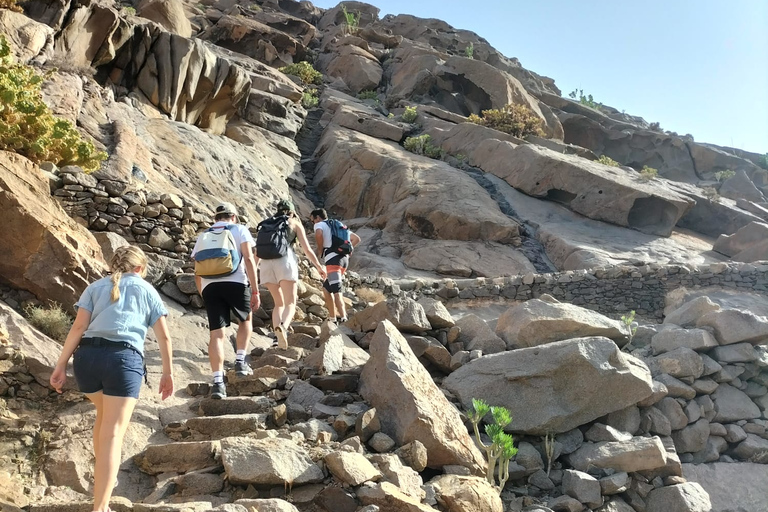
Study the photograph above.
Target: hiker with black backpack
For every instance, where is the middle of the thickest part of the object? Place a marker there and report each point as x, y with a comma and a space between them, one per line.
335, 242
278, 266
225, 274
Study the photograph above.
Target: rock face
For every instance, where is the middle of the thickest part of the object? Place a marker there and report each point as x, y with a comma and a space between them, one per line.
749, 243
572, 382
46, 253
731, 487
637, 454
466, 494
168, 13
411, 407
687, 497
267, 462
25, 37
536, 322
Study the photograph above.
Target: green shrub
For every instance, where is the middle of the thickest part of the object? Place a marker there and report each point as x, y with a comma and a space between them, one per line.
422, 145
763, 161
409, 115
502, 447
304, 71
587, 100
656, 127
368, 95
53, 321
721, 176
606, 160
27, 125
649, 173
129, 11
469, 51
309, 98
630, 326
10, 5
514, 119
351, 20
711, 194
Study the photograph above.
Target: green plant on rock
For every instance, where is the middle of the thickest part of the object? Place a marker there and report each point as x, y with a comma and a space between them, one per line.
422, 145
587, 100
656, 127
410, 115
27, 125
606, 160
129, 11
304, 71
309, 98
52, 321
469, 51
711, 194
514, 119
502, 447
649, 173
368, 95
763, 161
10, 5
721, 176
630, 326
351, 20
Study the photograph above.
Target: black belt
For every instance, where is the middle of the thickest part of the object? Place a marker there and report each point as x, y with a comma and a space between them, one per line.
97, 341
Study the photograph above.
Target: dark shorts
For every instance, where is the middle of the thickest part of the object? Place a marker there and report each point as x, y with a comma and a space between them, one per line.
335, 266
221, 298
114, 370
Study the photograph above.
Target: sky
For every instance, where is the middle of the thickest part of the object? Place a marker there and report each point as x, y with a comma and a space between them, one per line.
695, 66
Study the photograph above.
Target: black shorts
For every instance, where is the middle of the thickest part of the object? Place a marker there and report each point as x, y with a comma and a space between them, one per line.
221, 298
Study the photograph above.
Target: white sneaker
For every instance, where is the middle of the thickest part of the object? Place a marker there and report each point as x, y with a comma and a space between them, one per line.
282, 339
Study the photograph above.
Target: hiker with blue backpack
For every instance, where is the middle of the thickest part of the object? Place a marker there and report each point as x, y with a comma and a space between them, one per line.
335, 242
278, 267
225, 274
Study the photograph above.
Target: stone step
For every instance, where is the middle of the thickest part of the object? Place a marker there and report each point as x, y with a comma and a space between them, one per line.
119, 504
264, 378
216, 427
178, 457
234, 405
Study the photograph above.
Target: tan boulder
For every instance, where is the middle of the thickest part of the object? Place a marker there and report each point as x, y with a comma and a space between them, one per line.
466, 494
410, 405
89, 28
351, 468
389, 498
741, 187
26, 37
747, 244
466, 258
405, 315
267, 462
536, 322
47, 253
636, 454
168, 13
359, 70
572, 382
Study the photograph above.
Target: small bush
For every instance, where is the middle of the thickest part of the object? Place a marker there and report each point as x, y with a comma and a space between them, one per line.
422, 145
469, 51
304, 71
27, 125
763, 161
502, 447
606, 160
516, 120
129, 11
370, 295
656, 127
711, 194
721, 176
309, 98
368, 95
53, 321
649, 173
10, 5
587, 100
409, 115
351, 20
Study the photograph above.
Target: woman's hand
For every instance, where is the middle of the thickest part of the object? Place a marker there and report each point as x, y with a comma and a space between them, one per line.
323, 273
255, 301
166, 385
58, 378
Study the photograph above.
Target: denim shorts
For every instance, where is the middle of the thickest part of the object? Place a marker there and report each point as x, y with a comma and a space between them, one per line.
117, 371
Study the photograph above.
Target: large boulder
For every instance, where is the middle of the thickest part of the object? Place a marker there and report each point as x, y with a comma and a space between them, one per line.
571, 382
168, 13
746, 244
25, 37
732, 487
733, 326
406, 315
687, 497
476, 335
358, 68
741, 187
536, 322
410, 405
732, 405
46, 252
267, 462
466, 494
636, 454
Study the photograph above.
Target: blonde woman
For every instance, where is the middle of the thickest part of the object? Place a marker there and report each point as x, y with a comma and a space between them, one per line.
107, 339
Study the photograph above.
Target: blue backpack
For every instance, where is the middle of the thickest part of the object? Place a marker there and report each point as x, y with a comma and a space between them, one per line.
217, 253
340, 243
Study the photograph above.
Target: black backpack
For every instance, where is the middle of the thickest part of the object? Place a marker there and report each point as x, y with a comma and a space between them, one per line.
272, 238
340, 243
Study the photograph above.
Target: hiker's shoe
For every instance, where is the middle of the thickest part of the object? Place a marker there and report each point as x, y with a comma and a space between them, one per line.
242, 369
282, 339
218, 391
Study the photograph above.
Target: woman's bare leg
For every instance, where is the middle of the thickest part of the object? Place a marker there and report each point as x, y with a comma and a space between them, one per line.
116, 414
288, 289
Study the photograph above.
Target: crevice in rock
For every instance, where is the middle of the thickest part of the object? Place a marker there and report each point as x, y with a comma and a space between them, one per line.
530, 246
307, 140
693, 161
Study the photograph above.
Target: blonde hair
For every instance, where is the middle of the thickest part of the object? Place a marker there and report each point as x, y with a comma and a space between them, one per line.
125, 260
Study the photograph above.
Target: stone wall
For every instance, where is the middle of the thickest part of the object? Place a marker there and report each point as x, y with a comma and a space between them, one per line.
612, 291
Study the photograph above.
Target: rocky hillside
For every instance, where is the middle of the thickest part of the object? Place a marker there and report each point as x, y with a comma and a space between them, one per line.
472, 182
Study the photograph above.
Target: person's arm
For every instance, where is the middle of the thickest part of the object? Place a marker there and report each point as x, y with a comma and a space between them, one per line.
80, 325
354, 239
319, 241
250, 270
302, 235
166, 350
199, 284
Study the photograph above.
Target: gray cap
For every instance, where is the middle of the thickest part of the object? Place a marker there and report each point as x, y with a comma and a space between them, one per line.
226, 208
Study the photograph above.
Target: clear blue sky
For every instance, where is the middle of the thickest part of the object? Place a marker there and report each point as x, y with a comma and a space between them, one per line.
695, 66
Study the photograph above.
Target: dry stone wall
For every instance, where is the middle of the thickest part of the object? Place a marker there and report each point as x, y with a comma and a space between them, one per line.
611, 291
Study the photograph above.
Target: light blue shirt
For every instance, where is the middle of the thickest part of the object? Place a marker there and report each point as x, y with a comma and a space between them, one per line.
137, 309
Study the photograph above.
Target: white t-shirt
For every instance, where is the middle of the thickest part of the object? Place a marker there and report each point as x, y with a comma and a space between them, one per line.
327, 235
241, 234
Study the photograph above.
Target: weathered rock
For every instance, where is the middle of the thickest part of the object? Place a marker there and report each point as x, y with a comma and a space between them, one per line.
736, 353
267, 462
741, 187
680, 362
614, 484
687, 314
405, 314
672, 409
235, 405
168, 13
466, 494
351, 468
395, 472
552, 376
432, 351
47, 253
733, 326
389, 498
732, 405
25, 37
265, 505
327, 358
724, 481
358, 68
751, 448
693, 339
437, 314
410, 406
536, 322
742, 240
687, 497
599, 432
582, 487
476, 335
638, 454
692, 438
181, 457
